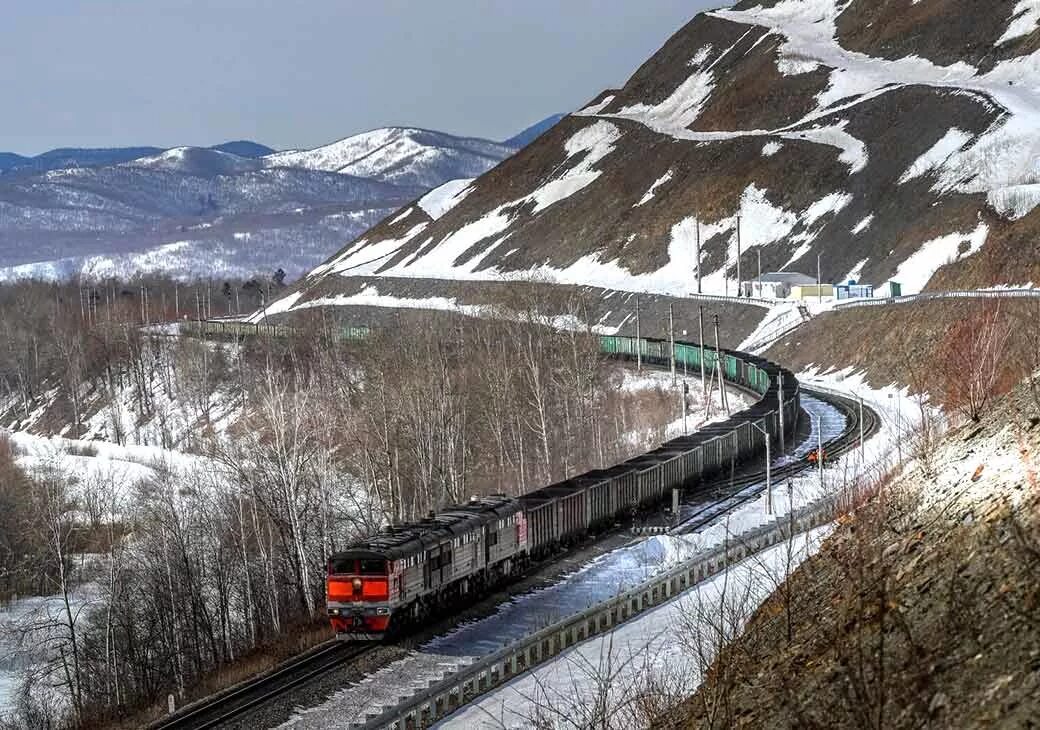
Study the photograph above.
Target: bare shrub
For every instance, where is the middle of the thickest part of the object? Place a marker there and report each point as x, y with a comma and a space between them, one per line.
81, 448
972, 360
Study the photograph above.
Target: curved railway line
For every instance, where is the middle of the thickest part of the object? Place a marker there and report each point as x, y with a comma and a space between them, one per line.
231, 704
739, 487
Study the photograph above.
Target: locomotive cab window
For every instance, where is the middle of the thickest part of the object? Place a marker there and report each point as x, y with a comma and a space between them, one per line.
372, 567
339, 566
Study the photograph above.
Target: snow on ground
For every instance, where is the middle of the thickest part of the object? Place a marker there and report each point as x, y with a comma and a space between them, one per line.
915, 271
1015, 201
596, 142
1025, 19
782, 317
936, 155
661, 645
26, 624
594, 108
369, 296
441, 199
649, 194
862, 225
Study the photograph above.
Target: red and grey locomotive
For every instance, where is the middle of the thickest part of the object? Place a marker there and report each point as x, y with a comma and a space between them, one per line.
406, 572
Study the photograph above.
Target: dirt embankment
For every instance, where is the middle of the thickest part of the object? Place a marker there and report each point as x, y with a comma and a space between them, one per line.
902, 343
921, 610
607, 308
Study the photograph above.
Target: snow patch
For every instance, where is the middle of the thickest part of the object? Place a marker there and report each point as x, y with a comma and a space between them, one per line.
862, 225
441, 199
649, 194
827, 205
407, 212
936, 155
599, 106
1025, 19
856, 272
597, 141
771, 148
1015, 201
914, 273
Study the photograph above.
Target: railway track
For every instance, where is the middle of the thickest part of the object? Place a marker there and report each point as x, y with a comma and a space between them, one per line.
225, 707
220, 709
740, 487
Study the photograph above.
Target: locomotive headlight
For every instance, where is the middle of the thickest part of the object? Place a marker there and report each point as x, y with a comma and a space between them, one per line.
333, 612
382, 610
357, 585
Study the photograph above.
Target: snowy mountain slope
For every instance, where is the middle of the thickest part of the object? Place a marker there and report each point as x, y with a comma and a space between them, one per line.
198, 161
220, 210
829, 128
399, 155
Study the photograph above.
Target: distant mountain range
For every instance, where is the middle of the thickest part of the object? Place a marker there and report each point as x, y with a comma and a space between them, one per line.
67, 157
237, 208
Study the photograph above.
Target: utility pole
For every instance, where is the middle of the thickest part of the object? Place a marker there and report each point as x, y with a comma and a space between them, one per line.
739, 282
700, 326
819, 448
177, 301
685, 390
718, 365
769, 461
671, 339
819, 285
760, 272
639, 342
697, 223
780, 412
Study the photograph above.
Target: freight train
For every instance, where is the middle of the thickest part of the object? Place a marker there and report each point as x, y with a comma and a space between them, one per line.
410, 572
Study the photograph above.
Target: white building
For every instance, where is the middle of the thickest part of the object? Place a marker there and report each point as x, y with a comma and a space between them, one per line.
775, 285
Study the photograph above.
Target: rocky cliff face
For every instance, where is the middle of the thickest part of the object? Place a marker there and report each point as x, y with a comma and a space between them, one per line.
894, 140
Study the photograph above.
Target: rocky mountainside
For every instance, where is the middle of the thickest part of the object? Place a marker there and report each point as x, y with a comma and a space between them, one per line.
233, 209
895, 140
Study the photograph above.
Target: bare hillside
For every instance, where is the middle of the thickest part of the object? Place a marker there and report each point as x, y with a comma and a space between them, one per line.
826, 127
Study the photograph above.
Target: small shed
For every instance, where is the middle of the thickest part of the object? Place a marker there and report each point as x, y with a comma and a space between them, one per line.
808, 291
889, 289
775, 285
852, 290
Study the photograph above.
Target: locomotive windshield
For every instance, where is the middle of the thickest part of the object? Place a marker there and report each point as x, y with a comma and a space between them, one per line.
372, 567
353, 566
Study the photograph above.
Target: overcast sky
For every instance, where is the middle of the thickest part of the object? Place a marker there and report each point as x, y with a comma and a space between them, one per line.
299, 73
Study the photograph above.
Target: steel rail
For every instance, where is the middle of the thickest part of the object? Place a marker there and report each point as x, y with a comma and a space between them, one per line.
847, 440
216, 710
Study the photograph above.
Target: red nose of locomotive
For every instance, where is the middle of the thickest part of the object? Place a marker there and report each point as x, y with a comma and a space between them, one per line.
358, 595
